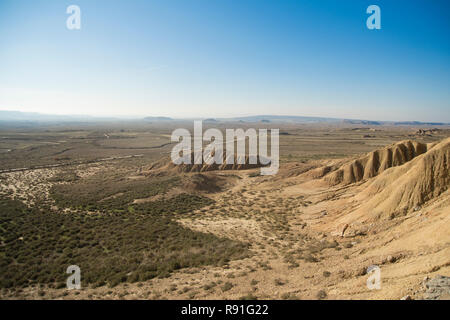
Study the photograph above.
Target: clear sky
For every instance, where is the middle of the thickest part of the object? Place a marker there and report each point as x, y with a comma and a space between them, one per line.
216, 58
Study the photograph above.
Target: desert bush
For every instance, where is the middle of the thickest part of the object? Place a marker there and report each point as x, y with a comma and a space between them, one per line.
110, 248
321, 294
115, 193
249, 296
227, 286
289, 296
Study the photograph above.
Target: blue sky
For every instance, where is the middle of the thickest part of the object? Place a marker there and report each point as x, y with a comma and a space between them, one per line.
225, 58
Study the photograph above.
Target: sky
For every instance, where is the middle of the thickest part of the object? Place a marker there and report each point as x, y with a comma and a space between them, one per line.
219, 58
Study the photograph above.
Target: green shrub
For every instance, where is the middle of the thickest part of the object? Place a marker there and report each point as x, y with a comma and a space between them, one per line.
227, 286
110, 248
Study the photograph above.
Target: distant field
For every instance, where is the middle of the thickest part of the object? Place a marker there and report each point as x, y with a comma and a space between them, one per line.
28, 147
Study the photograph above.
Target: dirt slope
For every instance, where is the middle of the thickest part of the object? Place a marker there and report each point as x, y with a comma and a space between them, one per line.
376, 162
402, 189
167, 166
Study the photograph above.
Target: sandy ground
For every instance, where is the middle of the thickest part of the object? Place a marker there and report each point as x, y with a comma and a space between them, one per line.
297, 249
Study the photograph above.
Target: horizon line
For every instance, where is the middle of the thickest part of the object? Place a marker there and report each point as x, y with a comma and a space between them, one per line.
143, 117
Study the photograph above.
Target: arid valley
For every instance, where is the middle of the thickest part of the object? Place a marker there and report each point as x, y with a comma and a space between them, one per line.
106, 197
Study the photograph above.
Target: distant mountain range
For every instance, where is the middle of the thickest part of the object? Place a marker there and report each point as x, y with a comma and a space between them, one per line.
32, 117
158, 119
273, 118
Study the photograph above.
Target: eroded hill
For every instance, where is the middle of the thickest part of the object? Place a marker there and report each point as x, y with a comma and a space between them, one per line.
376, 162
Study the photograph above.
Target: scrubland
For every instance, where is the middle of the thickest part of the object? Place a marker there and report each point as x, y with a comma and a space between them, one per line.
340, 203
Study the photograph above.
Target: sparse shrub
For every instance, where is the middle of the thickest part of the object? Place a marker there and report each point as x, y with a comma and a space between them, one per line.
209, 286
289, 296
107, 246
321, 295
310, 258
249, 296
227, 286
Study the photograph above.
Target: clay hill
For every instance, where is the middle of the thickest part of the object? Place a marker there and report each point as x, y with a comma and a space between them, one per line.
376, 162
167, 166
392, 182
399, 190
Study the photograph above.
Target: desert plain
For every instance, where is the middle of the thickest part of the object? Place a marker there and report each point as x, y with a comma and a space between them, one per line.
105, 197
